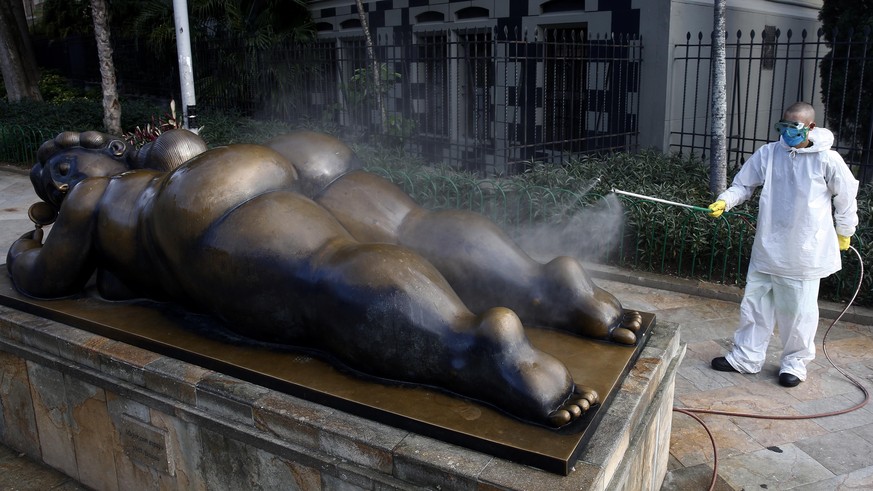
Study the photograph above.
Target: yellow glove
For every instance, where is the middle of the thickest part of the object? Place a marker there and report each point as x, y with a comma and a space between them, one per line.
843, 241
717, 208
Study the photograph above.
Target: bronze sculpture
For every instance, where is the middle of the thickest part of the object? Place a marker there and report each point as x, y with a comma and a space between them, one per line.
325, 254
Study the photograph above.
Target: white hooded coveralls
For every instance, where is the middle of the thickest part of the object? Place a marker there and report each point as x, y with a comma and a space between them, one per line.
807, 198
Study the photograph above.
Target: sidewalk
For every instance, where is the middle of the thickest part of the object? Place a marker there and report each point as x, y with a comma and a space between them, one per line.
820, 454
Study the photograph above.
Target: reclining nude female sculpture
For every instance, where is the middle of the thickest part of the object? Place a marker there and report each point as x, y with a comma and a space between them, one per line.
291, 242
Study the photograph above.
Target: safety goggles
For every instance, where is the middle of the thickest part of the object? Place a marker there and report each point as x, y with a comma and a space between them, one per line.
791, 129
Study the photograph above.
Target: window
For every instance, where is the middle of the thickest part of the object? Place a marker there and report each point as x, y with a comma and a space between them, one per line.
476, 80
433, 84
565, 88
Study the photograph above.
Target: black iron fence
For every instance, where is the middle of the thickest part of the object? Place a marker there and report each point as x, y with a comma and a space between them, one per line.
484, 100
769, 70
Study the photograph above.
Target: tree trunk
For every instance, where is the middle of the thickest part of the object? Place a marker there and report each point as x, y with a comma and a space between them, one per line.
374, 63
718, 148
111, 105
17, 63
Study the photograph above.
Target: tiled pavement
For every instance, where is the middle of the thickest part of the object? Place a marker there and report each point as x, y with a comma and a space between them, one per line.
818, 454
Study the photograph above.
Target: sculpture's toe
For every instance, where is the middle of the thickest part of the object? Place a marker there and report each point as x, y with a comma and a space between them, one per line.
578, 404
625, 332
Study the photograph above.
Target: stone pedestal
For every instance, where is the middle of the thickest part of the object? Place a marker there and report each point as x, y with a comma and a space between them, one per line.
114, 416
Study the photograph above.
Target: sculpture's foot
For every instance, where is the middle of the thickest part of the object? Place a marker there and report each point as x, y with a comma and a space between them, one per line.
504, 369
621, 328
578, 306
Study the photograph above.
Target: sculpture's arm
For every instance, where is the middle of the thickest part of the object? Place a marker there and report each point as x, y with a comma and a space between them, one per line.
66, 261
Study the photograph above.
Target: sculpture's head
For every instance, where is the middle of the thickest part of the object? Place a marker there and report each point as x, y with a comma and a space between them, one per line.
70, 157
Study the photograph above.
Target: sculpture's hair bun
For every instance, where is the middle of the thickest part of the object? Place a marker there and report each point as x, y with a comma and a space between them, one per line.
170, 150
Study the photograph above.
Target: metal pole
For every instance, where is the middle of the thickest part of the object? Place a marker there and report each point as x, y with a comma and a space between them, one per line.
186, 66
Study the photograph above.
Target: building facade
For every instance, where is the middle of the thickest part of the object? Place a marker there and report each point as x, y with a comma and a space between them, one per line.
567, 91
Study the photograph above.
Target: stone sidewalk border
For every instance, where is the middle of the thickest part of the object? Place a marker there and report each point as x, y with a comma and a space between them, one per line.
716, 291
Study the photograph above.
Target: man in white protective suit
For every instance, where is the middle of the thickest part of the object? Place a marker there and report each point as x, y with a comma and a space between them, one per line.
807, 215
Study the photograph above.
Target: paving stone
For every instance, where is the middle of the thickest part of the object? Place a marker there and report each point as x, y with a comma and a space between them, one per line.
780, 467
21, 473
859, 479
694, 477
865, 432
841, 452
854, 419
691, 446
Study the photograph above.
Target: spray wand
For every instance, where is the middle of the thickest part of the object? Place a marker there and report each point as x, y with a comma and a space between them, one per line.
659, 200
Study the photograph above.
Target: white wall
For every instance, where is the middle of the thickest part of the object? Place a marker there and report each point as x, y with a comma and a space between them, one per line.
697, 16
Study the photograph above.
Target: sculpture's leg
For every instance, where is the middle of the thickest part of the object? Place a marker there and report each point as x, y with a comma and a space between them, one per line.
380, 308
487, 268
484, 266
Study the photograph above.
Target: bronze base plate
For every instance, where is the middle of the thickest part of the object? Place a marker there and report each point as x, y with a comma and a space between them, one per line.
172, 331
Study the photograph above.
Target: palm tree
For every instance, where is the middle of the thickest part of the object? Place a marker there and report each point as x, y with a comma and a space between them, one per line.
17, 63
111, 105
374, 65
718, 149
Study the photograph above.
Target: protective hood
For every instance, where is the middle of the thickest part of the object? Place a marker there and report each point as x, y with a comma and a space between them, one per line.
822, 139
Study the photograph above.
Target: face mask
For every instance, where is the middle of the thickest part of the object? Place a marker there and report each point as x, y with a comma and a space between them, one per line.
793, 133
792, 141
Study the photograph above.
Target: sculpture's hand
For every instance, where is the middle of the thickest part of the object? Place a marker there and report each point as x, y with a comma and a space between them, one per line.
28, 241
36, 235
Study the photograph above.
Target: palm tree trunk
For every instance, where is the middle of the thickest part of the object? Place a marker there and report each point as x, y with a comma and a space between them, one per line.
111, 105
377, 77
718, 148
17, 63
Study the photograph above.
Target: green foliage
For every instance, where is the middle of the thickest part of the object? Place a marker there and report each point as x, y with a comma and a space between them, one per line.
846, 81
64, 18
362, 88
55, 88
225, 129
75, 115
361, 92
151, 130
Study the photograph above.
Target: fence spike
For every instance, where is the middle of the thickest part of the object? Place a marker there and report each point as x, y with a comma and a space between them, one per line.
688, 36
739, 34
752, 34
803, 34
788, 35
